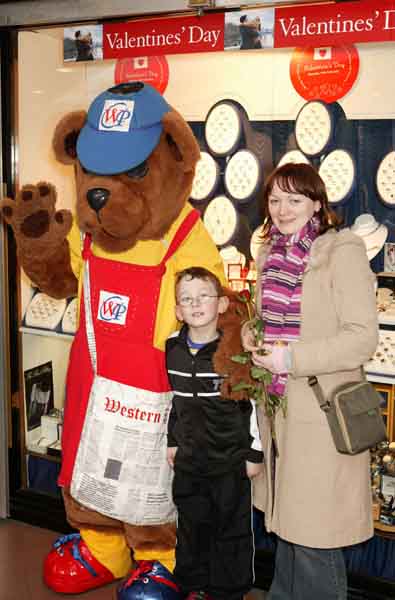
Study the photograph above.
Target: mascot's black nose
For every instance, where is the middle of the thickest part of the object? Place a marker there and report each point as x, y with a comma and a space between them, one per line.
97, 198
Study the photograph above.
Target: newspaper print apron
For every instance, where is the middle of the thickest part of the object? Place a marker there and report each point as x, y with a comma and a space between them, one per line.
120, 468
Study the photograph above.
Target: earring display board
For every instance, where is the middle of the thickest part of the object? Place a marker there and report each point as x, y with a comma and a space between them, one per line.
242, 175
293, 156
49, 314
338, 173
314, 128
383, 360
221, 220
44, 312
206, 178
385, 179
223, 129
69, 319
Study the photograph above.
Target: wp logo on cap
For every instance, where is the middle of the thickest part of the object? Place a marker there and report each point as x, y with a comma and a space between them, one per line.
116, 116
122, 129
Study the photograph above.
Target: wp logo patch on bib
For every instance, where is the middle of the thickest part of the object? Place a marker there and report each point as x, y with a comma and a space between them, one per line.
113, 308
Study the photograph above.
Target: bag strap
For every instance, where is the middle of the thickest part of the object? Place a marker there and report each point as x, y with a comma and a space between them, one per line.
319, 394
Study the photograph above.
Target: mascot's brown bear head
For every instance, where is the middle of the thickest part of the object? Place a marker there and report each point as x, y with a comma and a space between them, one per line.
134, 159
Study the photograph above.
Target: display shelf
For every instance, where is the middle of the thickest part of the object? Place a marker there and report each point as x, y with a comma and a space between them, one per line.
380, 378
383, 320
46, 333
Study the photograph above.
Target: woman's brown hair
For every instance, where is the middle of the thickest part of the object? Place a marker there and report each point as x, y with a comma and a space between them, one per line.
302, 179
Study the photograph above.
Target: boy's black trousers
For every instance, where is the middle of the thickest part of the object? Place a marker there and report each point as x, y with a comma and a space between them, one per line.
215, 543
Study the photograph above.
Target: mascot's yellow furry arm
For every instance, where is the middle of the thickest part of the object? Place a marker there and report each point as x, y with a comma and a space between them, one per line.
134, 160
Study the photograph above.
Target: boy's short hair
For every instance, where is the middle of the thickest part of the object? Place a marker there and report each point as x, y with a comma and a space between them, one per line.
199, 273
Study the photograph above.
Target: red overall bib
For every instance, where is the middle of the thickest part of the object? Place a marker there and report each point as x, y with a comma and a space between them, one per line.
124, 300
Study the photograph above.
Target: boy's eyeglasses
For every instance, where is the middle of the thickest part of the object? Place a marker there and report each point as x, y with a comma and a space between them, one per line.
201, 299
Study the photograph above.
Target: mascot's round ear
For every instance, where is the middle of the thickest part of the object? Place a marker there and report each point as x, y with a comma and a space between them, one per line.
182, 135
64, 141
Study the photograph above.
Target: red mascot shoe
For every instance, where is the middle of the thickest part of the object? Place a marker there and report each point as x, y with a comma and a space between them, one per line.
70, 568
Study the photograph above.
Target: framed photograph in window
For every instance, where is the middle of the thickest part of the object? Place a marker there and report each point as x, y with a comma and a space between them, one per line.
389, 258
38, 393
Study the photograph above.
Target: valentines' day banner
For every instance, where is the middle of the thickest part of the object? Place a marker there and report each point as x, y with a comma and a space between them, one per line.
353, 22
250, 29
164, 36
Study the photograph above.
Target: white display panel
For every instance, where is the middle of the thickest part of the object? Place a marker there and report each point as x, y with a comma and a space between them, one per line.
44, 311
223, 129
242, 175
385, 179
338, 173
69, 319
313, 128
383, 360
221, 220
206, 178
293, 156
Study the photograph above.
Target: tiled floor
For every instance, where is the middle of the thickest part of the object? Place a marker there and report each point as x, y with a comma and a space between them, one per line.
22, 549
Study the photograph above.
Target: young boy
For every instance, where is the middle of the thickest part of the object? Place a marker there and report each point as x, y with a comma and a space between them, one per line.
214, 447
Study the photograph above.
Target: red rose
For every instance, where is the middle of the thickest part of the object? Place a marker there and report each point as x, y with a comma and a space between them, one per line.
245, 295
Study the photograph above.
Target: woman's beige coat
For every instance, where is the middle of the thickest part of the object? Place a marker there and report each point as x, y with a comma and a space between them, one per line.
321, 498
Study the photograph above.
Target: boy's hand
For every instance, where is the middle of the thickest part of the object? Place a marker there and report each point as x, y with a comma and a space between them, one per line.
171, 454
253, 469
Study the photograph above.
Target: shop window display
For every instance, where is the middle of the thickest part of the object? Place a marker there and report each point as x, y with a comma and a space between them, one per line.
361, 135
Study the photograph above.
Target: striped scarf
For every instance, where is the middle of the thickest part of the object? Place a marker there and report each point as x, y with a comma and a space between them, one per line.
282, 287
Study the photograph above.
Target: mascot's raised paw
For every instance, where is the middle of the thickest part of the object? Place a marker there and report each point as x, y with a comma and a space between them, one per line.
41, 231
33, 216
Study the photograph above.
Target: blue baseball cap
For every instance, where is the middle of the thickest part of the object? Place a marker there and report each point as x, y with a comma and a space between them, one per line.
123, 127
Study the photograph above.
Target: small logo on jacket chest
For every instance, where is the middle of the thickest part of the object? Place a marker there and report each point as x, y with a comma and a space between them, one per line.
217, 384
113, 308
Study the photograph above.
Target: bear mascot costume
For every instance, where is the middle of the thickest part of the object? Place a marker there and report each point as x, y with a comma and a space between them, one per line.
134, 160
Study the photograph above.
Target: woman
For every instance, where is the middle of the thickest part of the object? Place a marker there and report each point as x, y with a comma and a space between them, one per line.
315, 293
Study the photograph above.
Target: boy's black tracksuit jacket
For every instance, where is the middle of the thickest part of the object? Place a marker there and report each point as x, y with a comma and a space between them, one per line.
213, 434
